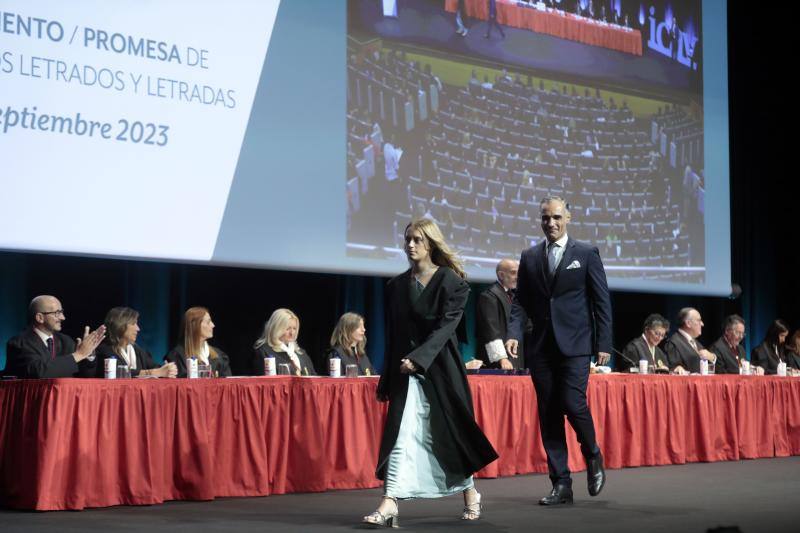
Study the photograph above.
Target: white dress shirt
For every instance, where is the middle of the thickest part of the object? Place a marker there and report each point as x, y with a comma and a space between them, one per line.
42, 335
204, 353
558, 252
129, 356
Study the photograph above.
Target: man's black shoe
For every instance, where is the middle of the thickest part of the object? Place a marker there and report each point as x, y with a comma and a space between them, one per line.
561, 494
595, 474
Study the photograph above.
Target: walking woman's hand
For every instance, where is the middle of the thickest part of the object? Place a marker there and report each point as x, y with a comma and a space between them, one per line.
407, 366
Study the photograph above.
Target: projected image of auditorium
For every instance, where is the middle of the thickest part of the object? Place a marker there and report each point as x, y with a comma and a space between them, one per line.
472, 112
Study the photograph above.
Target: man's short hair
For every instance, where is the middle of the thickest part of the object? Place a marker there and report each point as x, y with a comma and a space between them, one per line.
732, 320
550, 199
683, 315
656, 321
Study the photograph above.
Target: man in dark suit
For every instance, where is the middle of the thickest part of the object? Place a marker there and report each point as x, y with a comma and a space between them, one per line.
562, 288
727, 348
645, 347
42, 351
492, 7
684, 351
494, 312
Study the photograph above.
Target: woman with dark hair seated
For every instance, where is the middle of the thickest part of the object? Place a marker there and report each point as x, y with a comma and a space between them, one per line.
348, 343
122, 328
279, 340
197, 328
769, 353
793, 351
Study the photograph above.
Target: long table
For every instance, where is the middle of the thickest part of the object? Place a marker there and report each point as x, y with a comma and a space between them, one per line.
563, 25
72, 444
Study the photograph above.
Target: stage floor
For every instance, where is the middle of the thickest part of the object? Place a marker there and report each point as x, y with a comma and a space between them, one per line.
759, 495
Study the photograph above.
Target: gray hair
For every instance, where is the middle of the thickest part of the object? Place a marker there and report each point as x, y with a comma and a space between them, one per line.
731, 321
656, 321
683, 315
550, 199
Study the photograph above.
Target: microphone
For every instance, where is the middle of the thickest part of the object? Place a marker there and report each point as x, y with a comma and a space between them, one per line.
628, 359
657, 370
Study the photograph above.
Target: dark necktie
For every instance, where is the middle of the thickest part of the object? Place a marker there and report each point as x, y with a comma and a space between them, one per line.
551, 260
51, 347
735, 354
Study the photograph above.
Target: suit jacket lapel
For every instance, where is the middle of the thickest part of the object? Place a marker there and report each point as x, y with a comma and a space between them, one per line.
40, 346
137, 355
687, 351
542, 256
651, 357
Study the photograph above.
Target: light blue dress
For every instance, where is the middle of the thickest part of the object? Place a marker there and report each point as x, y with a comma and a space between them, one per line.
412, 470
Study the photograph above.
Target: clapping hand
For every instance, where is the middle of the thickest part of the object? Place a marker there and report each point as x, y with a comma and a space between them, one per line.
87, 344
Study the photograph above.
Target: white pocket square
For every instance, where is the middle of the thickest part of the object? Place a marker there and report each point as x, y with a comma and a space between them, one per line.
574, 264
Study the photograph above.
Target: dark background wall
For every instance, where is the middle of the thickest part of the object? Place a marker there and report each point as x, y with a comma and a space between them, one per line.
763, 212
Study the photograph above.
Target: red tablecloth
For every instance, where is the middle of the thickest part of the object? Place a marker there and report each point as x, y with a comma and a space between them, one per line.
564, 25
71, 444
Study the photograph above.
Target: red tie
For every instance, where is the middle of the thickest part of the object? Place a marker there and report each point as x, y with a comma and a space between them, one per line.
52, 346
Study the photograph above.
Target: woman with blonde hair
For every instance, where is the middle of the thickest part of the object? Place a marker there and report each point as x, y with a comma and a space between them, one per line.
431, 443
196, 329
279, 340
348, 343
122, 329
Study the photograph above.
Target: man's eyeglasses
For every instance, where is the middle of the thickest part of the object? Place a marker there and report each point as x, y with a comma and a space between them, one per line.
56, 312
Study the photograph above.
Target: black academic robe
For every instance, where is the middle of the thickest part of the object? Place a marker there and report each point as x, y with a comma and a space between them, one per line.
425, 333
637, 350
728, 362
27, 356
792, 360
144, 361
363, 361
220, 365
491, 322
306, 365
764, 356
680, 353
